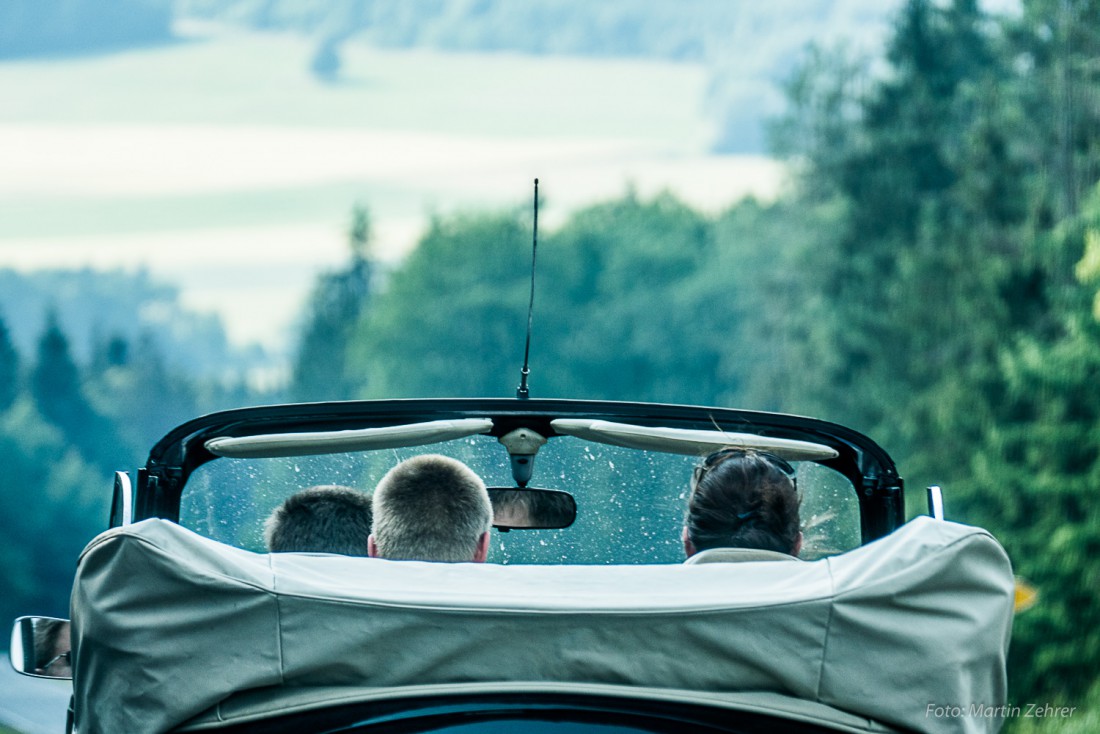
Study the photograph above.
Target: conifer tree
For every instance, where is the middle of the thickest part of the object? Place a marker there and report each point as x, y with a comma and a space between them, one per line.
9, 368
58, 390
55, 380
338, 301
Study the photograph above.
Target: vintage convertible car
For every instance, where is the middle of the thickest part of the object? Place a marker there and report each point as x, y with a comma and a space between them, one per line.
586, 618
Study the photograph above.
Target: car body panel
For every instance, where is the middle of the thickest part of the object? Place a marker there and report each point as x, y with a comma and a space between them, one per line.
182, 621
753, 711
195, 620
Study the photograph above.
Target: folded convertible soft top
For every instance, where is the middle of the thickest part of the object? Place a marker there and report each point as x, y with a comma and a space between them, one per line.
167, 623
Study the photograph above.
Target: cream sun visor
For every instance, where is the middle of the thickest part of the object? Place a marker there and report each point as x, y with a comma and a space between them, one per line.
334, 442
687, 441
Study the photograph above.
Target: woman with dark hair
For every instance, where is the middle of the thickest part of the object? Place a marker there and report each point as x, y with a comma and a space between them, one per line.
743, 498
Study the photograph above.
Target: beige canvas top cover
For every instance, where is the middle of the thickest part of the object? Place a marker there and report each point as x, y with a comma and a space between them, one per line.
166, 624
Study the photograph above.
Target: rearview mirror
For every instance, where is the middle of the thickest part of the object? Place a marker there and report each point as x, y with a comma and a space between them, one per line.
40, 647
532, 509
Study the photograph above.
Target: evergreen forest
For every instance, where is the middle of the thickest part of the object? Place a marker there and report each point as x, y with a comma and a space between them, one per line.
930, 277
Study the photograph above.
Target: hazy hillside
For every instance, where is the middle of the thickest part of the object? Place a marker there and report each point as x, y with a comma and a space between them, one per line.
94, 307
50, 27
689, 30
747, 47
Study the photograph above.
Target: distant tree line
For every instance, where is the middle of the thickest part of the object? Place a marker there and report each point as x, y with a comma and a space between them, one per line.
92, 304
931, 278
950, 311
52, 27
640, 28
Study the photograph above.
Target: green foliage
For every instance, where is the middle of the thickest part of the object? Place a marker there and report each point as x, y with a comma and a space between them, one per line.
762, 313
1055, 42
1088, 269
621, 285
55, 382
945, 318
9, 368
924, 251
1034, 476
139, 395
444, 328
635, 299
1084, 719
824, 95
60, 503
68, 427
320, 370
57, 387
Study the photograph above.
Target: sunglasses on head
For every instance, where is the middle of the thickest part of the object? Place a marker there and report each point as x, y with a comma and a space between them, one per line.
732, 452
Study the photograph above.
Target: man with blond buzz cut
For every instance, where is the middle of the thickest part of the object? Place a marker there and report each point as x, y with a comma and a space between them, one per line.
431, 508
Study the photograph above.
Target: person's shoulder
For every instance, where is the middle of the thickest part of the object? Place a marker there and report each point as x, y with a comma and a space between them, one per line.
737, 555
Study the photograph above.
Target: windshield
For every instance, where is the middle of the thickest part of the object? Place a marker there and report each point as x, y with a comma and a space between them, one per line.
630, 503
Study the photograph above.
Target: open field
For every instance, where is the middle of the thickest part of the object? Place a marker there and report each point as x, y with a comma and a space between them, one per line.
219, 161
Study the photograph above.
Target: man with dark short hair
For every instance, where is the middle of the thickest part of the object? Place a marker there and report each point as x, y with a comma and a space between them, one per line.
431, 508
323, 519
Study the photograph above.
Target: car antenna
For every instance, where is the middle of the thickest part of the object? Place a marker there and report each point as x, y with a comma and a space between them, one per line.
521, 391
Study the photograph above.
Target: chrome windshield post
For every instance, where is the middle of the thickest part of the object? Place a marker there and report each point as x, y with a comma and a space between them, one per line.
935, 501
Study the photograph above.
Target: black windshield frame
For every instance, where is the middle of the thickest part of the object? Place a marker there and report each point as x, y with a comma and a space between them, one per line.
159, 484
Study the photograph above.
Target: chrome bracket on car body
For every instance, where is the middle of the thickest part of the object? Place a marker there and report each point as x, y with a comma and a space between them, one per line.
122, 501
935, 501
